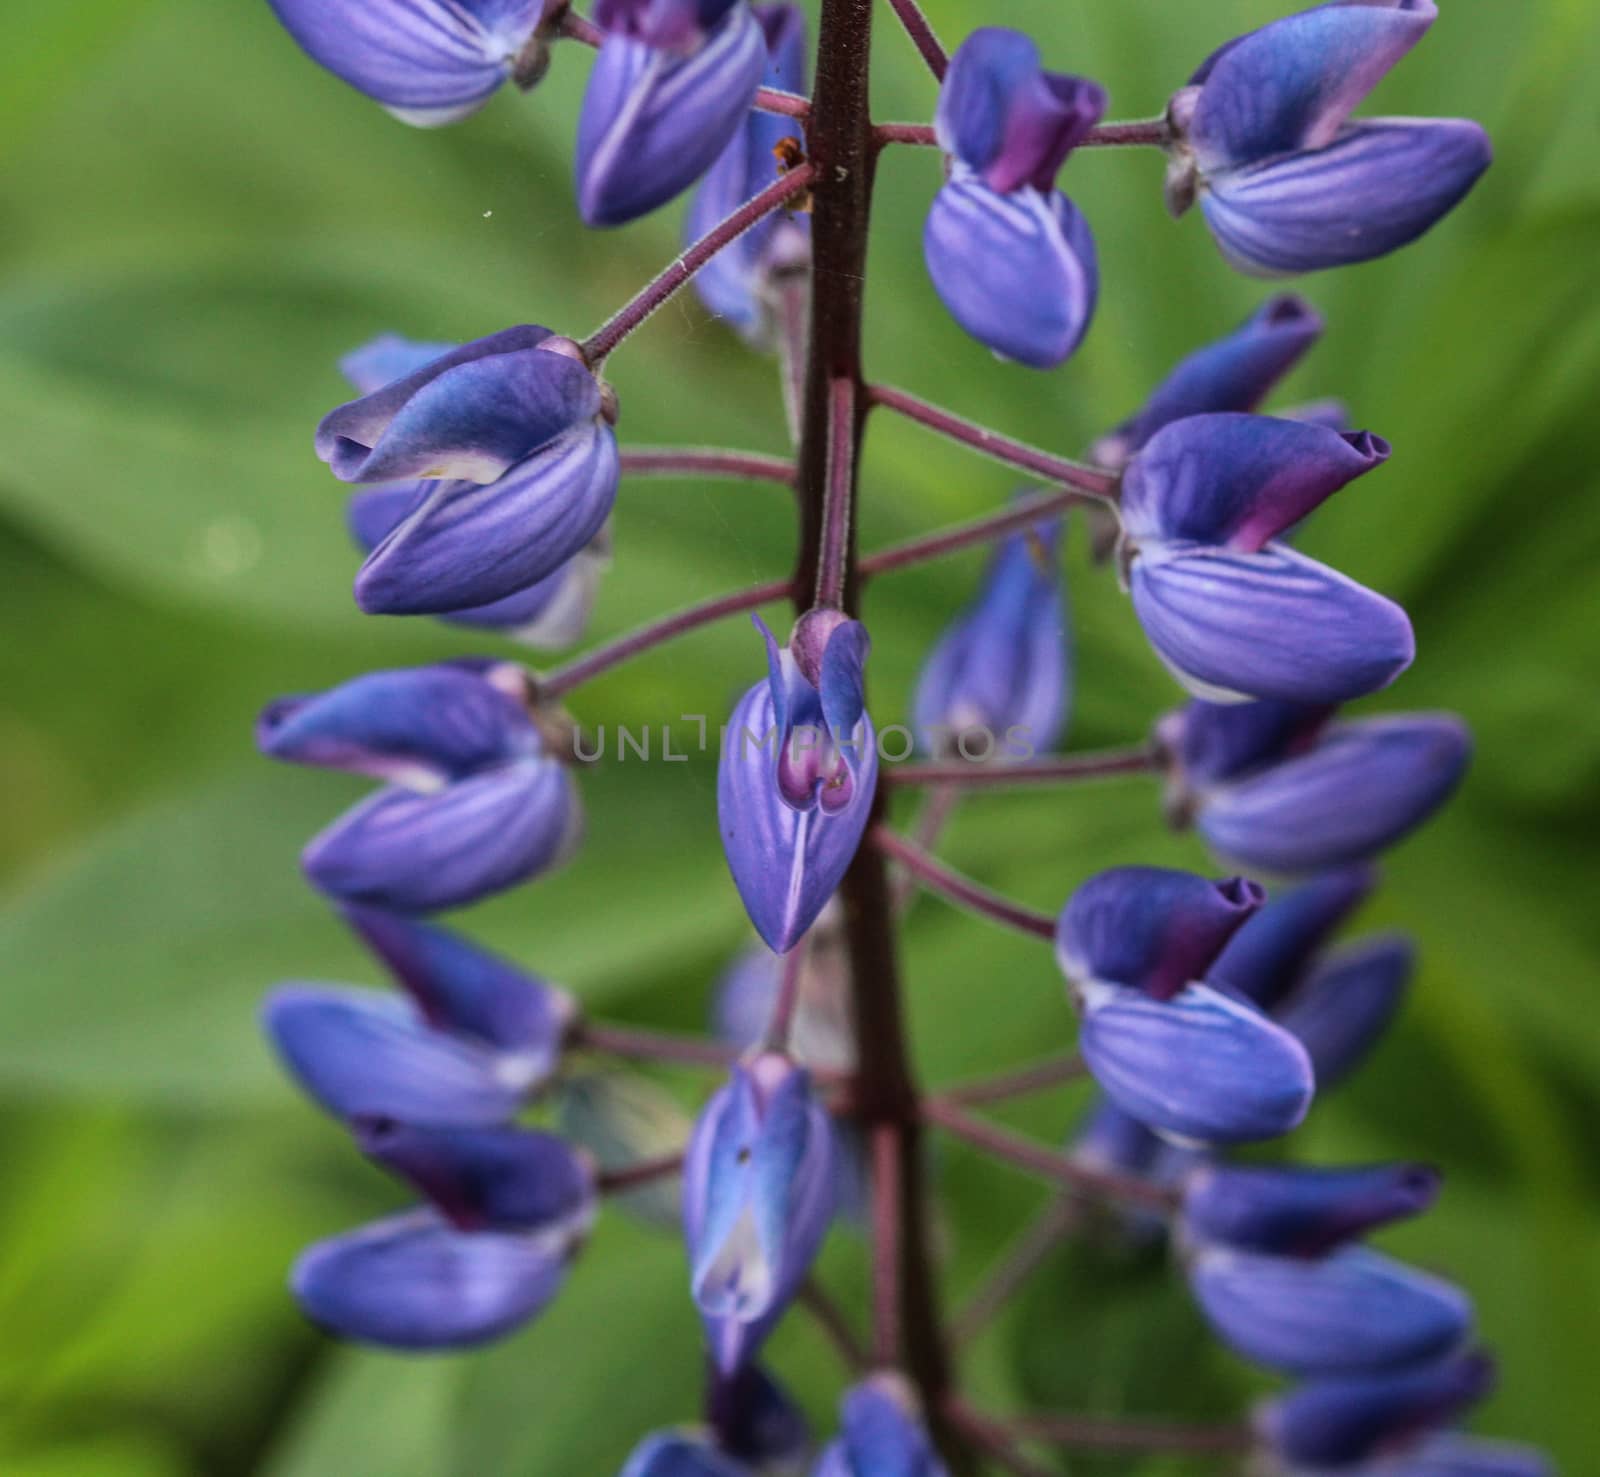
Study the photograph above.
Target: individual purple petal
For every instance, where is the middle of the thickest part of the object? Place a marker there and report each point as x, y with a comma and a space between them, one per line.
1238, 480
1004, 117
1294, 1211
500, 1178
427, 61
364, 1054
758, 1195
1350, 1312
1362, 787
1268, 957
671, 1454
1018, 271
388, 358
413, 1282
417, 853
1459, 1456
419, 726
471, 414
1376, 188
658, 113
469, 544
1273, 624
1340, 1013
882, 1434
549, 614
1150, 928
1003, 666
790, 829
1218, 741
1294, 83
1335, 1422
757, 1421
1235, 373
460, 987
1203, 1066
734, 283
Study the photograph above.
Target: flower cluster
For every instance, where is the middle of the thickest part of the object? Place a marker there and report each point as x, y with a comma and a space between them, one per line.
1212, 1012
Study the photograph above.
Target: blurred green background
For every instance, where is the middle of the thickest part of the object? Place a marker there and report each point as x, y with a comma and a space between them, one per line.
195, 222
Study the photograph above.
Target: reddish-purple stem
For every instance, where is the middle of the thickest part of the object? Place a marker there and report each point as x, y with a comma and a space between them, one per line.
1020, 514
962, 891
611, 333
1050, 1164
922, 37
886, 1238
1145, 131
645, 1172
705, 461
783, 1008
1017, 1264
833, 560
1019, 1083
995, 1441
1093, 481
586, 668
1065, 770
637, 1043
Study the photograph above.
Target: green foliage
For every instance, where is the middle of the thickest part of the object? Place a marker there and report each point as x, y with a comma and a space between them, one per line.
196, 222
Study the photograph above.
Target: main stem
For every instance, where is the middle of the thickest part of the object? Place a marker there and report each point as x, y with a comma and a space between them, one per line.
841, 153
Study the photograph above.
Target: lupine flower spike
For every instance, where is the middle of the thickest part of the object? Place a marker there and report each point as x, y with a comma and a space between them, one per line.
1287, 182
484, 476
1180, 1055
1233, 612
473, 804
669, 91
796, 777
1013, 258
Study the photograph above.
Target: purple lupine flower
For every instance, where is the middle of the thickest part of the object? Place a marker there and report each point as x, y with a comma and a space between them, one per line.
1355, 790
1012, 258
1349, 1312
1234, 373
1300, 1212
881, 1434
1186, 1058
1232, 611
1458, 1456
796, 776
736, 283
473, 804
758, 1194
548, 615
1002, 668
670, 88
1287, 182
475, 1040
680, 1454
1336, 1422
1346, 1004
428, 62
508, 446
414, 1281
1269, 956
